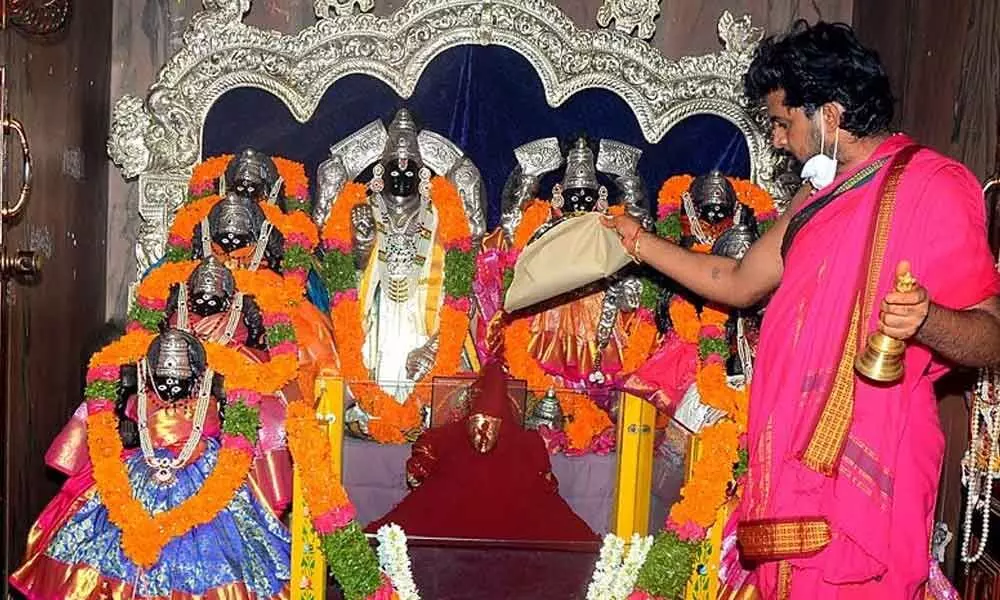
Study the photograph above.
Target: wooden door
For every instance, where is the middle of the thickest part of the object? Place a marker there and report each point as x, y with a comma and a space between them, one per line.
57, 67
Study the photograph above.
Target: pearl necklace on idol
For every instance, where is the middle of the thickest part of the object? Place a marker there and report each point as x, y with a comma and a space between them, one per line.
695, 223
165, 469
981, 463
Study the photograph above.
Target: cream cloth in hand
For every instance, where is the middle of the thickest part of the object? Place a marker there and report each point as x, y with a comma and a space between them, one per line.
574, 253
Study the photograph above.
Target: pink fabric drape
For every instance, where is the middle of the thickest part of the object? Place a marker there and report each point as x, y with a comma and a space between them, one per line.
880, 502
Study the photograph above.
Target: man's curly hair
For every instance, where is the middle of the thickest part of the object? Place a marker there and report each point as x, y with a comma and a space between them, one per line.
821, 63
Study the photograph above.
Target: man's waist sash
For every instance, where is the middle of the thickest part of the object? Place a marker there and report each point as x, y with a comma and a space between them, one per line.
767, 540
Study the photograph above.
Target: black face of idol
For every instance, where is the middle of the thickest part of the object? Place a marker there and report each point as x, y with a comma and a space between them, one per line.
251, 187
230, 241
401, 177
715, 213
172, 389
580, 200
204, 304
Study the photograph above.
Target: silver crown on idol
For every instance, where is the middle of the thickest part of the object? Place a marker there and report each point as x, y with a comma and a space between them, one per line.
213, 278
235, 214
713, 188
174, 355
402, 142
580, 170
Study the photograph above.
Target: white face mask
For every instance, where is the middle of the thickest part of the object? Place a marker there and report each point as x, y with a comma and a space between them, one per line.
821, 170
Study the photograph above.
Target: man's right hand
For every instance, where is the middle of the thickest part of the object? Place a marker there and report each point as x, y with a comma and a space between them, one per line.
626, 226
716, 278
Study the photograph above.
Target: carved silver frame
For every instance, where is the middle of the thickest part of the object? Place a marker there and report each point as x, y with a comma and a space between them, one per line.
159, 140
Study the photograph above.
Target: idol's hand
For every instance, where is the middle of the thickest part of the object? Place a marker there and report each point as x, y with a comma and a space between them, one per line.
904, 313
420, 361
363, 231
363, 223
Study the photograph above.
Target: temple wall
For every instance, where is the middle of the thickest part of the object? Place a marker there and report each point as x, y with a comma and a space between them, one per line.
146, 33
943, 58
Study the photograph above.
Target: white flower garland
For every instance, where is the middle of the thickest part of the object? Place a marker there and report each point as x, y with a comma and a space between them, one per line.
608, 564
614, 578
394, 558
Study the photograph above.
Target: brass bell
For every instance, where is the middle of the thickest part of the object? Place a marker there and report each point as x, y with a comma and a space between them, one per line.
882, 360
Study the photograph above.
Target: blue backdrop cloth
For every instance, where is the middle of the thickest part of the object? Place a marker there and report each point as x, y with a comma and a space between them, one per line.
486, 99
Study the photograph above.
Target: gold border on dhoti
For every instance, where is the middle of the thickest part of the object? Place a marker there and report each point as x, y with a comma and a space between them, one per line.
779, 539
826, 444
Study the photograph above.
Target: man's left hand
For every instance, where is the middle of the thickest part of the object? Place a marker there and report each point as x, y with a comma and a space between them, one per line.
904, 313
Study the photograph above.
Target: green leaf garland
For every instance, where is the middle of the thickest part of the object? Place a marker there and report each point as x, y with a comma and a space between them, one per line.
242, 420
668, 566
337, 271
352, 562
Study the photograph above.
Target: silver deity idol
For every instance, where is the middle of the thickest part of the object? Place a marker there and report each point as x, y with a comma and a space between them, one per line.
547, 412
393, 235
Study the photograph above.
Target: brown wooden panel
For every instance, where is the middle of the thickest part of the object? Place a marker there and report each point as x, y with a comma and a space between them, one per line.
954, 416
943, 59
59, 90
688, 27
932, 82
872, 23
976, 118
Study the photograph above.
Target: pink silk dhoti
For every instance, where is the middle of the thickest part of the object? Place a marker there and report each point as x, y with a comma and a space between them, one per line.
841, 488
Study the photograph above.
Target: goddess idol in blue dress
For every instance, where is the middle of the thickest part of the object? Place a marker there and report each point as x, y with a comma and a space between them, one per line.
180, 516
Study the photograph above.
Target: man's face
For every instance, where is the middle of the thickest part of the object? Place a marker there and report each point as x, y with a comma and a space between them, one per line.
791, 130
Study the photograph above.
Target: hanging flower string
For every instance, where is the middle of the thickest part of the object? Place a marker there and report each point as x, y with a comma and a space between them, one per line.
145, 535
296, 185
588, 428
394, 422
670, 563
205, 177
300, 237
342, 539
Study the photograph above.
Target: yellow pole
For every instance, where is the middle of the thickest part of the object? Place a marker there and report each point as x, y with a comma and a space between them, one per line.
636, 421
308, 563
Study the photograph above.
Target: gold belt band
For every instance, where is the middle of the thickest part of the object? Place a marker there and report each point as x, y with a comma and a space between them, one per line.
780, 539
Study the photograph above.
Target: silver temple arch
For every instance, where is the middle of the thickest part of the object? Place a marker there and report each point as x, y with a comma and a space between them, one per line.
159, 139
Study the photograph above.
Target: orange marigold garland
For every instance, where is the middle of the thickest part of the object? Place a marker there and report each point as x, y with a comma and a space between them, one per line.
394, 422
587, 425
707, 488
205, 176
333, 516
144, 535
